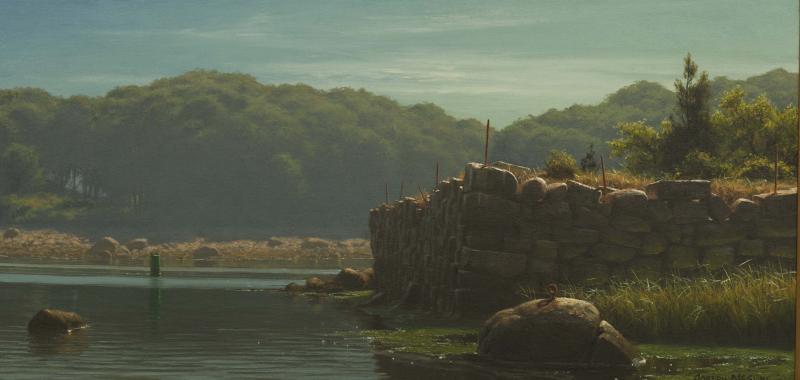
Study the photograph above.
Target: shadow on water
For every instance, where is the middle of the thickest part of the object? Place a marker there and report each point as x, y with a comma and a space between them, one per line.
55, 344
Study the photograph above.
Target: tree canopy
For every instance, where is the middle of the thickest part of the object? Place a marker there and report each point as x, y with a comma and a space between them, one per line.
207, 149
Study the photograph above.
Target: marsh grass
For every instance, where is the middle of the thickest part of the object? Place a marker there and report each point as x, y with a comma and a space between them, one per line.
749, 305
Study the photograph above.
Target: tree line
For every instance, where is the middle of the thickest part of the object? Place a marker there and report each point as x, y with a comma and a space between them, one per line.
216, 149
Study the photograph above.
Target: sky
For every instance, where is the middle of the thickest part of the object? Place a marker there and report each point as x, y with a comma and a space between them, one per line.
500, 60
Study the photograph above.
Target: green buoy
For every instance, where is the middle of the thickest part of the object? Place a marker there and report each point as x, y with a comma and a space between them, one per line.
155, 264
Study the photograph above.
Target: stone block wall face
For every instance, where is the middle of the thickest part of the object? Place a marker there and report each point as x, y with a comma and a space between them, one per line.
471, 244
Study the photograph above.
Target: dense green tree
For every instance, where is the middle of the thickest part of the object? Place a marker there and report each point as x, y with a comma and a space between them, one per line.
19, 169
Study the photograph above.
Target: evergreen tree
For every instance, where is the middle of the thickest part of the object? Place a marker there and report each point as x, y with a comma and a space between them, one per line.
588, 162
689, 128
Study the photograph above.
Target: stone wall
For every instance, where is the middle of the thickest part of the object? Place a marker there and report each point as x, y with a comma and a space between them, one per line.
472, 243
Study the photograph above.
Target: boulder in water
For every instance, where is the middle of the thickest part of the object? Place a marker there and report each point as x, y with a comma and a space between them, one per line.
55, 321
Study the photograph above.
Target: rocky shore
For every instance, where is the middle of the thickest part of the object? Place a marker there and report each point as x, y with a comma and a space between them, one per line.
55, 246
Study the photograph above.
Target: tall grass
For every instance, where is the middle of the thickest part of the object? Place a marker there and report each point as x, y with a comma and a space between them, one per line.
751, 305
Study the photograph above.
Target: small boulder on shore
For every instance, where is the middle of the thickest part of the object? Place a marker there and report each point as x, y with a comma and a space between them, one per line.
346, 279
103, 250
205, 253
11, 233
137, 244
352, 279
561, 330
55, 321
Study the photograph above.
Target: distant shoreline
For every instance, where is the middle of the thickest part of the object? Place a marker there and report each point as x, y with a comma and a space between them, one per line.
47, 245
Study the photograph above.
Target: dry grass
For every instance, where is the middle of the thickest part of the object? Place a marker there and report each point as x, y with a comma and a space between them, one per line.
730, 189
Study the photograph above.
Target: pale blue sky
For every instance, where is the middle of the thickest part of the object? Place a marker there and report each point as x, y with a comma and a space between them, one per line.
482, 59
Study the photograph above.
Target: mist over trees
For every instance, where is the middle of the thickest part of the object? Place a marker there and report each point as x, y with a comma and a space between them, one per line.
208, 149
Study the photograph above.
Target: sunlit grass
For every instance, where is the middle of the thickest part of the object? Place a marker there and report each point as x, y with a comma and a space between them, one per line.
745, 306
43, 207
730, 189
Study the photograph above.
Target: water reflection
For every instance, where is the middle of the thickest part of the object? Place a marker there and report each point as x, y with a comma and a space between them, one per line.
53, 344
155, 303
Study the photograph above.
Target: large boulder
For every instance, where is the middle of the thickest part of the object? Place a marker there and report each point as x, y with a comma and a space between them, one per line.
106, 244
778, 205
673, 190
561, 330
490, 180
55, 321
744, 210
137, 244
103, 251
349, 278
556, 192
11, 233
533, 190
579, 194
627, 201
612, 348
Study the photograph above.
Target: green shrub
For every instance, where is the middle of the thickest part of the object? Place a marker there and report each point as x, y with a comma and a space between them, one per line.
561, 165
759, 167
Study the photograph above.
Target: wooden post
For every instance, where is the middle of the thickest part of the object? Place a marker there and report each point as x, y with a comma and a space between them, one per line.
603, 170
775, 183
486, 146
155, 264
421, 194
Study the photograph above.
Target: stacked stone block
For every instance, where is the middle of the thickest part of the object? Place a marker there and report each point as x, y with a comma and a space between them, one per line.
471, 244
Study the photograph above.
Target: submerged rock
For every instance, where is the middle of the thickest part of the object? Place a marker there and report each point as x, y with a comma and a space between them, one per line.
294, 287
55, 321
557, 330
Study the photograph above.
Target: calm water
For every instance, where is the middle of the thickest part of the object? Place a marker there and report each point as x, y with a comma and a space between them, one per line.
198, 323
211, 323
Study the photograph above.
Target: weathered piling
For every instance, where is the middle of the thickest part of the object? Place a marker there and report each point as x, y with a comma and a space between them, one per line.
155, 264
